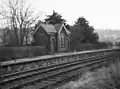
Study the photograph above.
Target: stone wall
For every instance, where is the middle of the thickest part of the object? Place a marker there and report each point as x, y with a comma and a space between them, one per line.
48, 60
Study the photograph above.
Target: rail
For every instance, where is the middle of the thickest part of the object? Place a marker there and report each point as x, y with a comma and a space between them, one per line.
54, 71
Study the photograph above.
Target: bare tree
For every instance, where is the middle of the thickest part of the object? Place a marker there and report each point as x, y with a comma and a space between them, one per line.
19, 17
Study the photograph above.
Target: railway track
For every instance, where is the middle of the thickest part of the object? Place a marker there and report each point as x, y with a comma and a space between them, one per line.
39, 78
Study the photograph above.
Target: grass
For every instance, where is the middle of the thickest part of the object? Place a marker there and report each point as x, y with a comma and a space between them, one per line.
104, 78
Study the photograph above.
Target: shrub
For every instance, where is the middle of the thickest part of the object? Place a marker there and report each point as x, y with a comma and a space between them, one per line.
87, 46
38, 50
13, 53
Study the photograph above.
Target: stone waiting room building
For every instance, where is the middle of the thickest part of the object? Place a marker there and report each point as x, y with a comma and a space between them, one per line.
54, 37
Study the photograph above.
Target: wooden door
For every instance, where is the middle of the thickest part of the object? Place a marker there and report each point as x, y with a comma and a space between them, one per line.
53, 45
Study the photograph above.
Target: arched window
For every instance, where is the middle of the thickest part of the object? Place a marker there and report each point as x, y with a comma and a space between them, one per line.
62, 41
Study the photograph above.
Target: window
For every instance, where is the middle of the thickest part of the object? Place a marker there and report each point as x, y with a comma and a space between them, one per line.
62, 41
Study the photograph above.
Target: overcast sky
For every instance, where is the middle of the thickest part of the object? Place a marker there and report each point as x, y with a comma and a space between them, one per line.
101, 14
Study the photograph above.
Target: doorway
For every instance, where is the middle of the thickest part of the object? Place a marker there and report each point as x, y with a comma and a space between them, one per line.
53, 45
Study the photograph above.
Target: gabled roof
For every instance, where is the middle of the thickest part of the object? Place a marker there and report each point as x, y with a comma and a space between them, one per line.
49, 28
59, 27
68, 32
